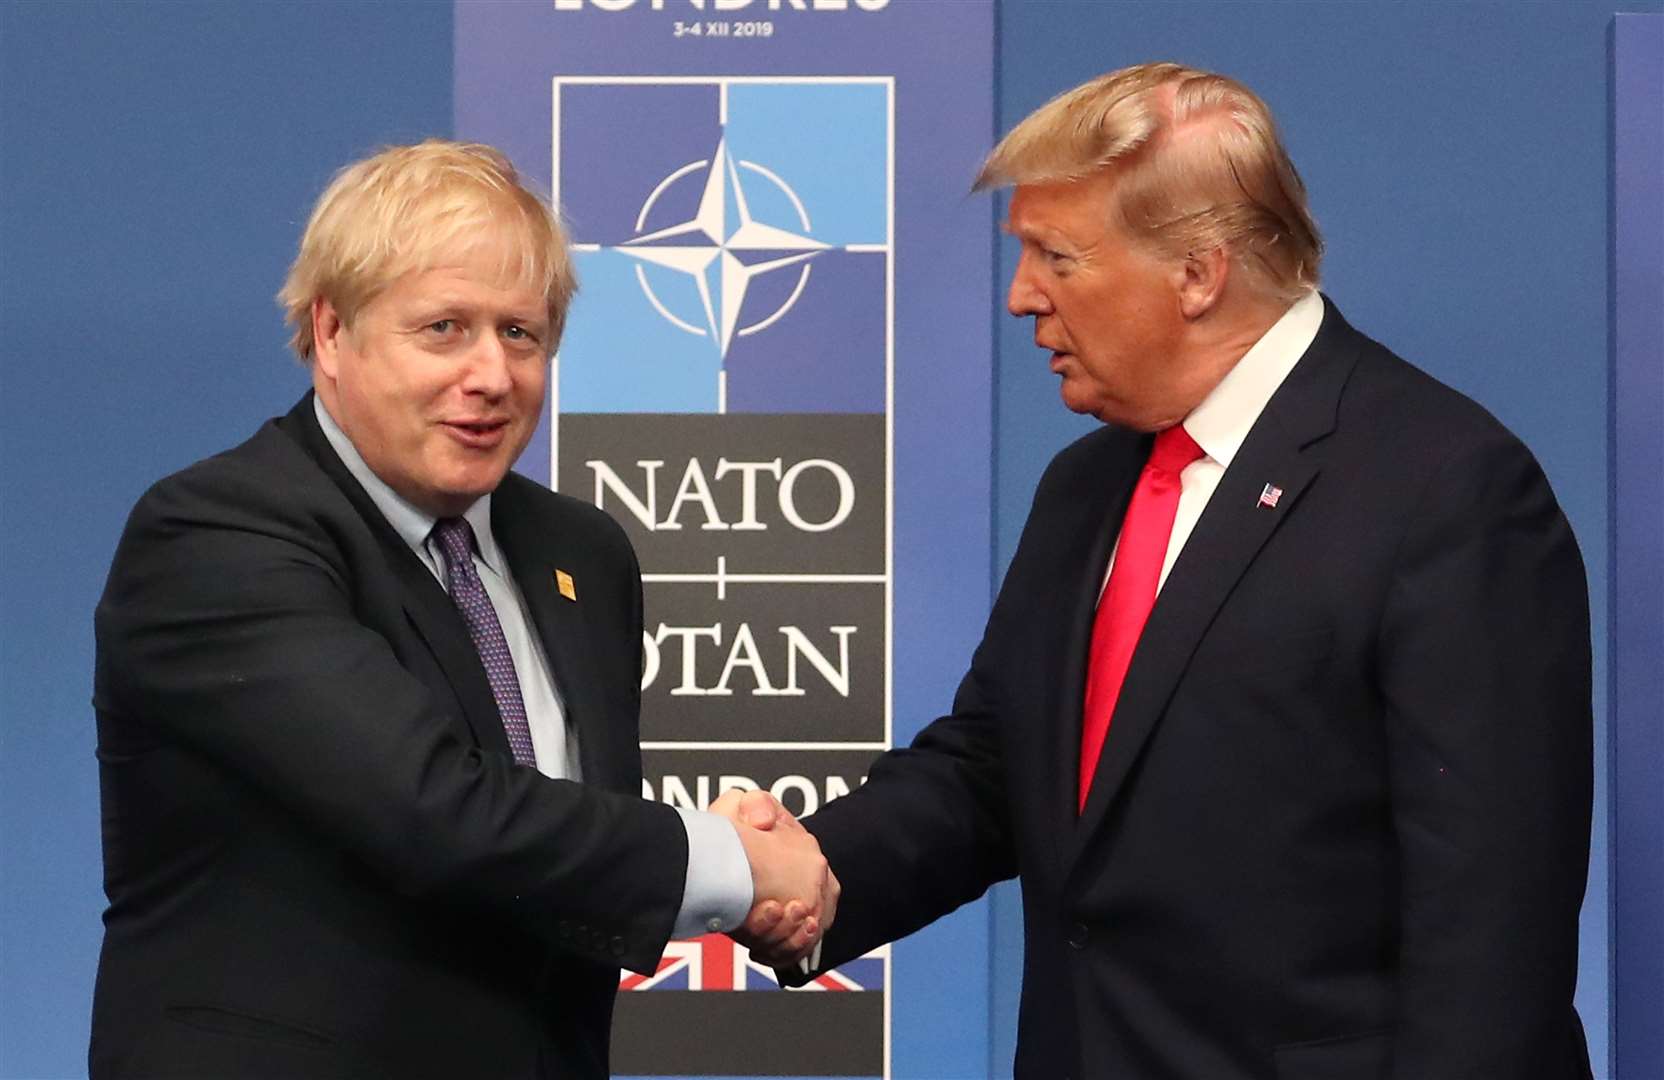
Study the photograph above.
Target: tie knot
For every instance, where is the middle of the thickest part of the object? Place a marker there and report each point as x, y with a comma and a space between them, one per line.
456, 539
1174, 450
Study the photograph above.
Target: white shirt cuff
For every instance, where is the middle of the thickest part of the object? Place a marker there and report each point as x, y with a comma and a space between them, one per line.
717, 894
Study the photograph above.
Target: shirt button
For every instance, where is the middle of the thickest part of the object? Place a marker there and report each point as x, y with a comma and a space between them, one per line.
1079, 936
714, 924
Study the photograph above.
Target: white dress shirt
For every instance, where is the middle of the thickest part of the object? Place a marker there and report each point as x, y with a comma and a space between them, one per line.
717, 893
1223, 419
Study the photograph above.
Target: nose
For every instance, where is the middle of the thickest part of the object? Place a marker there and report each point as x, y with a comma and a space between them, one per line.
488, 368
1026, 297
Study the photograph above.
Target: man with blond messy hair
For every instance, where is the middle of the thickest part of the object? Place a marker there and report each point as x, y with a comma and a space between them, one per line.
351, 672
1282, 715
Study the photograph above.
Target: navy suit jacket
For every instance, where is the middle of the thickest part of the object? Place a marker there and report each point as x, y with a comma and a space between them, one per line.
1340, 826
320, 857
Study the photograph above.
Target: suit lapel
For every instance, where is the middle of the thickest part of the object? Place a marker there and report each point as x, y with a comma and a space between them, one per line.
1231, 532
535, 555
427, 606
436, 619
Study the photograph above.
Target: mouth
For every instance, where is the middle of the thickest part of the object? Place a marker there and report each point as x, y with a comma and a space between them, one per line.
477, 434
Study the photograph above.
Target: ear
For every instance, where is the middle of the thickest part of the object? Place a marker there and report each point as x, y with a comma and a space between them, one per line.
1202, 281
327, 330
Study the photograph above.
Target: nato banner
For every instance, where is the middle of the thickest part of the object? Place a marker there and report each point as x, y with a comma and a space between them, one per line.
776, 377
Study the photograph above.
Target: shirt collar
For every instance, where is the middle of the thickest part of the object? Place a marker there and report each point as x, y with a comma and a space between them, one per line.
411, 523
1222, 421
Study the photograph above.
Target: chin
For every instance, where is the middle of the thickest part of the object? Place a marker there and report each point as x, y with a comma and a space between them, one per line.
458, 495
471, 479
1075, 404
469, 494
1120, 418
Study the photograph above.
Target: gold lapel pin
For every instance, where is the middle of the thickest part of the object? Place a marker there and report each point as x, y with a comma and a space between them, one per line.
563, 582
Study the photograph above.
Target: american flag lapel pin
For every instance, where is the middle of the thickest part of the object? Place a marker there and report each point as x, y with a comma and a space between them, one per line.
1269, 497
563, 582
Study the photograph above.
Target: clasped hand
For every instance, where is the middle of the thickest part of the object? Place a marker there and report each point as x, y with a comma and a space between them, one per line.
795, 893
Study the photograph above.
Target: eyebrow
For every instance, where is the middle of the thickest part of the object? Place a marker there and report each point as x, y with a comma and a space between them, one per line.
1027, 229
442, 302
1041, 235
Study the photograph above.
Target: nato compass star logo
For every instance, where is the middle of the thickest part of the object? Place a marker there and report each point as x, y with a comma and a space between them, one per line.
724, 253
732, 237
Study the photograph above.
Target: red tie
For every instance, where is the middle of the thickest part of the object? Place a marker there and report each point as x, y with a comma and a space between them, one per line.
1131, 592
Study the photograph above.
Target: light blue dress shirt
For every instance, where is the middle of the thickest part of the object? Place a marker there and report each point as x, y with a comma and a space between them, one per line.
717, 893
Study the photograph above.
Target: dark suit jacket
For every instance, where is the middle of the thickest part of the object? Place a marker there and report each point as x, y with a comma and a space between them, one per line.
1340, 827
320, 857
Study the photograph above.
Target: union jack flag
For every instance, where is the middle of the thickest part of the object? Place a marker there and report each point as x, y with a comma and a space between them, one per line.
717, 962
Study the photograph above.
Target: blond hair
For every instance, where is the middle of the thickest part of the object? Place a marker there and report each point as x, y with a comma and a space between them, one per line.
1200, 163
412, 208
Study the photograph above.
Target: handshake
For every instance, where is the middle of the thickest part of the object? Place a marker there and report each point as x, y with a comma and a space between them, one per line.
794, 892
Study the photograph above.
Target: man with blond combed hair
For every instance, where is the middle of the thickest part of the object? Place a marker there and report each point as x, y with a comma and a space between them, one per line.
1282, 715
367, 700
1200, 167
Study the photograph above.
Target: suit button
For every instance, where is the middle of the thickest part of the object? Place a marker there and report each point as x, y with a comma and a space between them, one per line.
564, 930
1078, 936
616, 946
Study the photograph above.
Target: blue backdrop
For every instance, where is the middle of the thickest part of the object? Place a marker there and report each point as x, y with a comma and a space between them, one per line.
1638, 545
156, 159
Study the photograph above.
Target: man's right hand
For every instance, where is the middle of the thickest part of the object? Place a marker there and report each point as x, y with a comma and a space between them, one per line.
795, 893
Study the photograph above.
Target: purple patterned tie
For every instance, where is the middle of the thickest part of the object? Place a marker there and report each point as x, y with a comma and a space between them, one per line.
456, 538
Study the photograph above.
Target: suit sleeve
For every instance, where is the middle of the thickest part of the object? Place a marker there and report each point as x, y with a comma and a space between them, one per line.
228, 630
1485, 672
927, 833
932, 827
